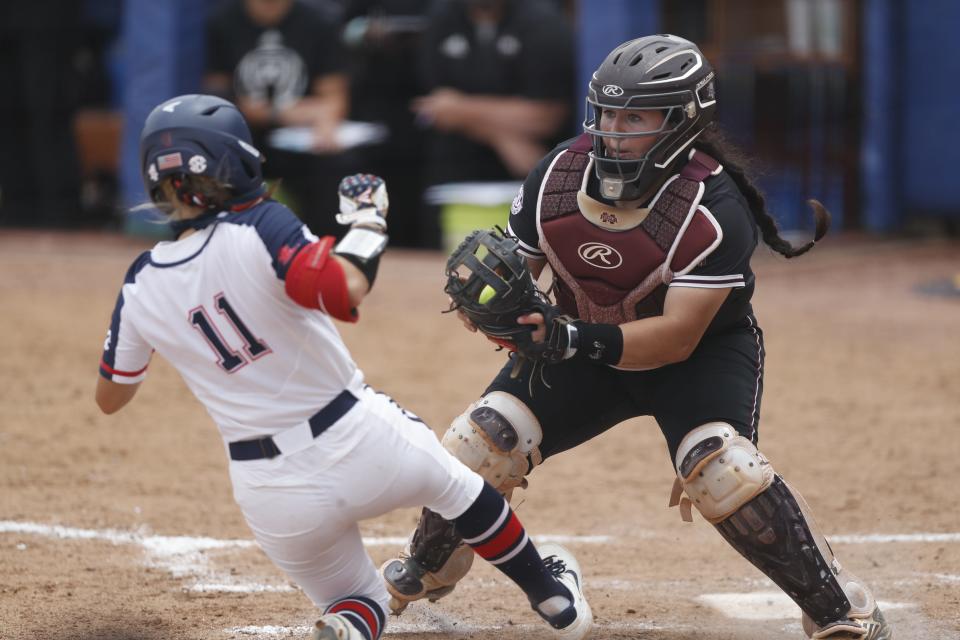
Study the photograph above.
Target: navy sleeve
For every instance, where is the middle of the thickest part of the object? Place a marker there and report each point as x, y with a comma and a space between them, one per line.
282, 233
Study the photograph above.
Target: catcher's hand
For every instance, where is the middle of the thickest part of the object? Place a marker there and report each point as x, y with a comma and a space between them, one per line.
554, 340
492, 289
363, 201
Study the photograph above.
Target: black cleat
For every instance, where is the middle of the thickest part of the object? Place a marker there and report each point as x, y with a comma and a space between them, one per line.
404, 577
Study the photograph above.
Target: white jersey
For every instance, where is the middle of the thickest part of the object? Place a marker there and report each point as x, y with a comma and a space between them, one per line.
214, 305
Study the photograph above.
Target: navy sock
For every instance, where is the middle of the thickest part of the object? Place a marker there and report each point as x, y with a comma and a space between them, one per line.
363, 613
497, 536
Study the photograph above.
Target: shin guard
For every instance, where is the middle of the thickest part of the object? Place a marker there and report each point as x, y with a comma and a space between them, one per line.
774, 532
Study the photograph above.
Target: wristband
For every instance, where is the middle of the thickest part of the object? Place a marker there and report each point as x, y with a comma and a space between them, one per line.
597, 343
362, 247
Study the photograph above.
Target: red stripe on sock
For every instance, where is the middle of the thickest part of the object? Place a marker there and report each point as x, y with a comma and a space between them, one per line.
361, 609
501, 542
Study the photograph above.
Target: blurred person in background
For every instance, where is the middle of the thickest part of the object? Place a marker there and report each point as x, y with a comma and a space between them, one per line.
498, 81
39, 170
98, 121
283, 63
383, 37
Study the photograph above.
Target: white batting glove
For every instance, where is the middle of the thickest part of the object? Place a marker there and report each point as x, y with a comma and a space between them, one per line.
363, 201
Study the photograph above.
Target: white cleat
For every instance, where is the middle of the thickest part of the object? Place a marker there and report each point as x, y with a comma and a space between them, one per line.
334, 627
576, 621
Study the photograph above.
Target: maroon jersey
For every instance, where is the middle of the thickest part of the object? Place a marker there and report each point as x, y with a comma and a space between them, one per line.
615, 264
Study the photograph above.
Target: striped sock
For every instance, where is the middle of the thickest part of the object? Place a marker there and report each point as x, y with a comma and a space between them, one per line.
497, 536
363, 613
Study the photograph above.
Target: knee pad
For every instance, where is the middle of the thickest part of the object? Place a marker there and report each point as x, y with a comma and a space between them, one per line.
497, 437
720, 470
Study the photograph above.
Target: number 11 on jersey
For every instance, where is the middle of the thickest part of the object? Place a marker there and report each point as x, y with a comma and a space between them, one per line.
228, 359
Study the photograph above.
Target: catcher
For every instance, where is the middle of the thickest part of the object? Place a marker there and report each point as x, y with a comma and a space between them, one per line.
648, 222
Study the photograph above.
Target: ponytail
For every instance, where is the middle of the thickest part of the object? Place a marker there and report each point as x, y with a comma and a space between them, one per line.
713, 143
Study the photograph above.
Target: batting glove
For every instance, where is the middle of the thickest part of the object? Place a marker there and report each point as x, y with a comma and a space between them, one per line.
363, 201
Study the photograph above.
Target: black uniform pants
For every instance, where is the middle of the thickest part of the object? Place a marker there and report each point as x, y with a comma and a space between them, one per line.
574, 401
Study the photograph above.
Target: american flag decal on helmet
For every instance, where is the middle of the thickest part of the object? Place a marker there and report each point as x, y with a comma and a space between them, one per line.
169, 161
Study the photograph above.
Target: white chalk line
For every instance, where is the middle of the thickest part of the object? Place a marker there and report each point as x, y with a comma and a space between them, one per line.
400, 627
182, 556
185, 556
880, 538
186, 544
219, 587
172, 545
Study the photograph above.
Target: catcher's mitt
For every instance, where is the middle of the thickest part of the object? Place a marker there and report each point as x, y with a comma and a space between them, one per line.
491, 284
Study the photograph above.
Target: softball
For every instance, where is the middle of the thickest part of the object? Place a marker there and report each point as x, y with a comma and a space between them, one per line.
486, 294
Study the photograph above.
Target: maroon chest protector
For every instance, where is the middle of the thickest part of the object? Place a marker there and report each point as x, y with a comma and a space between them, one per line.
614, 275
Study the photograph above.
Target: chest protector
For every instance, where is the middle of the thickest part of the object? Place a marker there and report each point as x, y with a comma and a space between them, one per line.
613, 265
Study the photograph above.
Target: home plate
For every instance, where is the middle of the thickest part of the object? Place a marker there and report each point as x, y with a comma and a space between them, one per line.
766, 605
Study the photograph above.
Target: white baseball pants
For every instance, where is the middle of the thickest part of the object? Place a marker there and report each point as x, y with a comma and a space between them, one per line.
303, 508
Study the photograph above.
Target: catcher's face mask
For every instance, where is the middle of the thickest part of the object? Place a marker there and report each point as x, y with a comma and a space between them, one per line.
661, 73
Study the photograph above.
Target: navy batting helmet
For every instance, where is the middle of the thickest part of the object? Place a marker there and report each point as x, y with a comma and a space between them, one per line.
202, 136
661, 72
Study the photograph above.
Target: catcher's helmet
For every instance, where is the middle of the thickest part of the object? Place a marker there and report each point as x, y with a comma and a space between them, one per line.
200, 135
660, 72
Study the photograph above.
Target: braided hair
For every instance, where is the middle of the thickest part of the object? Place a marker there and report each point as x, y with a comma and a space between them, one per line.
714, 143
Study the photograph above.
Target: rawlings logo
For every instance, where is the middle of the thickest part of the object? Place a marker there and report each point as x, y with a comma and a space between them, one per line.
599, 255
612, 90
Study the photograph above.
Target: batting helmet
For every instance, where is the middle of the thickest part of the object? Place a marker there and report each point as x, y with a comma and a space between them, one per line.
203, 136
659, 72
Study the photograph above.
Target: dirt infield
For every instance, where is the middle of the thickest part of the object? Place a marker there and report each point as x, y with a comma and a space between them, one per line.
123, 527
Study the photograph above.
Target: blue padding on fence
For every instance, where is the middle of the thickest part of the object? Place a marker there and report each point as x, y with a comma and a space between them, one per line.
786, 193
164, 49
880, 153
783, 191
930, 92
602, 25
